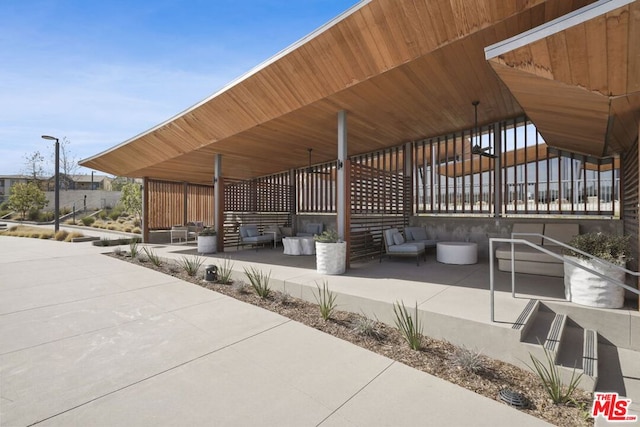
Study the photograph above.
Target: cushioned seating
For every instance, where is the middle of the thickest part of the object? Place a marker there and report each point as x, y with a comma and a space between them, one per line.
395, 245
419, 234
310, 229
249, 235
532, 261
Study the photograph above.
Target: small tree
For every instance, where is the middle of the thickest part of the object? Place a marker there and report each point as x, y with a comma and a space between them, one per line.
33, 165
131, 199
26, 196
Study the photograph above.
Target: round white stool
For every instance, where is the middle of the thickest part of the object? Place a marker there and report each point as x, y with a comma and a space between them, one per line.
457, 252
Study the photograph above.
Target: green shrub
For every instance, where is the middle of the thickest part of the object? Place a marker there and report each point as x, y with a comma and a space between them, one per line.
191, 265
114, 214
153, 257
88, 220
326, 300
610, 247
61, 235
65, 211
224, 271
367, 328
259, 281
410, 328
133, 248
469, 360
549, 374
33, 215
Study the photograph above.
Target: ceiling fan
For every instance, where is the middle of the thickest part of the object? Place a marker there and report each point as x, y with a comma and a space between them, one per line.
311, 169
477, 149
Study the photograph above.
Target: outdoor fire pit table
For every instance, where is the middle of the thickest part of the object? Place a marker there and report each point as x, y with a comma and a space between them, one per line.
457, 252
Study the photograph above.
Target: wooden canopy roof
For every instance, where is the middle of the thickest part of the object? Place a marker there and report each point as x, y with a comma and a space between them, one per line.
402, 69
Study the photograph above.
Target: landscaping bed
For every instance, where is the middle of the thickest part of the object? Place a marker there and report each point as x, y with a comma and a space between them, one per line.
464, 367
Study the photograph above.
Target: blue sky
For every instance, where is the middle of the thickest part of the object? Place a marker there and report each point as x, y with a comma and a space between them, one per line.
101, 72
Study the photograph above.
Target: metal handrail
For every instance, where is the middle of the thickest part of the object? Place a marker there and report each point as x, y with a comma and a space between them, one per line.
513, 241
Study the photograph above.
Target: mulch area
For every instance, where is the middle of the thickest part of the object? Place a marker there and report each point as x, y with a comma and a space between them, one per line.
436, 357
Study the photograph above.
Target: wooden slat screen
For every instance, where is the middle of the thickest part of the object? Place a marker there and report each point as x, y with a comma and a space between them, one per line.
265, 194
200, 204
233, 221
262, 201
630, 216
378, 201
166, 204
316, 188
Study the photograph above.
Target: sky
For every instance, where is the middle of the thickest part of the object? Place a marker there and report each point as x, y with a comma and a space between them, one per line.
100, 72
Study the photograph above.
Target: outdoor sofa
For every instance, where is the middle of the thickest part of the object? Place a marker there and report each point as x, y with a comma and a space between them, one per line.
250, 235
396, 245
530, 260
419, 234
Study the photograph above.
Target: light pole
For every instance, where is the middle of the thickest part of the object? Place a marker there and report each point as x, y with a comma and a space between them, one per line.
57, 188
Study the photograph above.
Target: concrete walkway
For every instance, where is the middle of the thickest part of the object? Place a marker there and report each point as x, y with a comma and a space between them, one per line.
88, 340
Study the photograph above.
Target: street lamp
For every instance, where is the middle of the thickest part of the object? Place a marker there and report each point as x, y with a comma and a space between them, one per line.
57, 188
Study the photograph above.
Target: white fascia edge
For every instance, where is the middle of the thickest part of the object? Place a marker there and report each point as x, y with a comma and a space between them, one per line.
246, 75
552, 27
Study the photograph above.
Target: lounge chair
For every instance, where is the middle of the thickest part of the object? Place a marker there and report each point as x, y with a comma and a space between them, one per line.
395, 245
249, 235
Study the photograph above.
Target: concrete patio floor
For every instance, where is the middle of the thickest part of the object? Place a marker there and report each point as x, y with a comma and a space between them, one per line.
90, 340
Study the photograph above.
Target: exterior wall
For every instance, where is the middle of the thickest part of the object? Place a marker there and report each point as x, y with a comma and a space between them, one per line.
97, 199
329, 221
480, 230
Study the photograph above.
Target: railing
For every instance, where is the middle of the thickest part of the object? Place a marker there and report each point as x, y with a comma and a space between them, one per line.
513, 241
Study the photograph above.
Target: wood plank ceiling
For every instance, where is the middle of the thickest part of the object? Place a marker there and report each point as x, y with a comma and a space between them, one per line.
581, 85
402, 69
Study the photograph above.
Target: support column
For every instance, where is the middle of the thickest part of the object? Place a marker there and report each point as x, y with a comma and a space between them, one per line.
497, 172
145, 210
185, 202
293, 201
218, 201
409, 206
342, 203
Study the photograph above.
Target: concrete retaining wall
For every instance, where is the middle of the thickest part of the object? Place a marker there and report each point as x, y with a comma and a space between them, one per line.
480, 230
96, 199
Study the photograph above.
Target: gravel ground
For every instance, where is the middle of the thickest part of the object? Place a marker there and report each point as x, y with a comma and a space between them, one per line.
464, 367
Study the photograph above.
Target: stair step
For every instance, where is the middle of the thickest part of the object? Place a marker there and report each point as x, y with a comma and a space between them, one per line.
524, 322
590, 353
552, 342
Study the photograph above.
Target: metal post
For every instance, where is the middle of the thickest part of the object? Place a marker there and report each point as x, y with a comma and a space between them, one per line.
57, 188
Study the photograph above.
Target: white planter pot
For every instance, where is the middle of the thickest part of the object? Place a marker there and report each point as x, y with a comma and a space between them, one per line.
586, 288
207, 244
331, 257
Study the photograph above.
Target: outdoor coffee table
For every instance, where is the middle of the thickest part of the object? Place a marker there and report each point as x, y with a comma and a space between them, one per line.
299, 246
457, 252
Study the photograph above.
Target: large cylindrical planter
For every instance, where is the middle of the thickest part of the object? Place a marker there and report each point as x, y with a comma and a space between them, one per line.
331, 257
585, 288
207, 244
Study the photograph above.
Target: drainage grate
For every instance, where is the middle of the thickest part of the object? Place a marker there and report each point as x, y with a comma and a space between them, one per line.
513, 398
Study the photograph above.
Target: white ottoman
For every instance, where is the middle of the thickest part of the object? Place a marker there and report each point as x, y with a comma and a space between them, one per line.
299, 246
457, 252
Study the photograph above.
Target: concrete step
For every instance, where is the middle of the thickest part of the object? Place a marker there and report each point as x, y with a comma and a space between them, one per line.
554, 336
525, 321
614, 326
